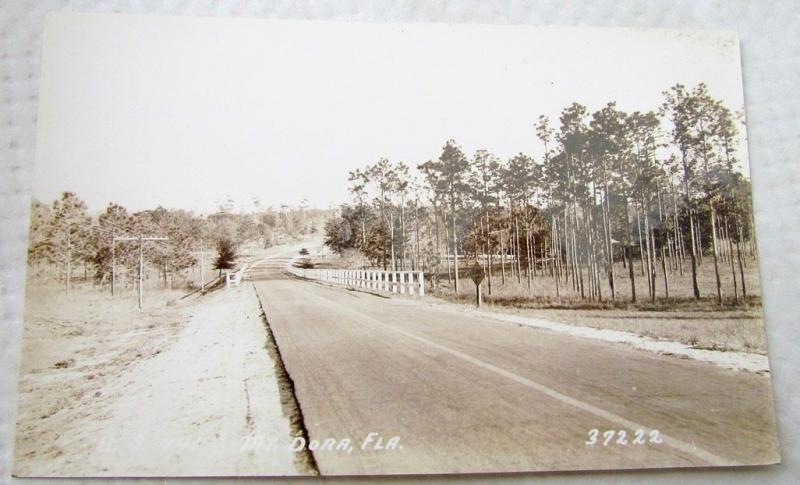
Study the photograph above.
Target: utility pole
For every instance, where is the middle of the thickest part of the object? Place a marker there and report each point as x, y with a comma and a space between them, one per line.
141, 238
113, 261
202, 264
202, 254
68, 271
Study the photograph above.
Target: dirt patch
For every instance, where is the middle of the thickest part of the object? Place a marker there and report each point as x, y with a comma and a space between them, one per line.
73, 347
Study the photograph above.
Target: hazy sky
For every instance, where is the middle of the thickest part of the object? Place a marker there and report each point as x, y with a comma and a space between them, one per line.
183, 112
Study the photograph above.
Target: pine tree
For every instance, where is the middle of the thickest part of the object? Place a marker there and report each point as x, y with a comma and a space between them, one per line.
68, 232
226, 255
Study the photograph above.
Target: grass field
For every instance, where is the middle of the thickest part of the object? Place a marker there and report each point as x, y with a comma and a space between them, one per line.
731, 330
543, 288
701, 324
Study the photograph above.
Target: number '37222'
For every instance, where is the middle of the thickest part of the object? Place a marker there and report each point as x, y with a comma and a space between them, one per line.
620, 437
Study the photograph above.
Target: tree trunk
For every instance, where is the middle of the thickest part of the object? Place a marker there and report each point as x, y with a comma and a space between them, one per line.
664, 269
363, 226
455, 243
448, 239
438, 241
641, 248
716, 258
518, 250
688, 201
699, 235
502, 260
644, 252
575, 238
733, 267
629, 249
391, 245
529, 253
631, 273
739, 257
607, 231
609, 249
693, 254
403, 232
650, 255
556, 262
488, 251
679, 249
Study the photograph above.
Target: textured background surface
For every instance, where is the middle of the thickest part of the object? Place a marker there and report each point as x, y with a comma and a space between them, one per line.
771, 62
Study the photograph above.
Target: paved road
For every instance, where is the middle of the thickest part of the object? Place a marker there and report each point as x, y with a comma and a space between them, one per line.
470, 394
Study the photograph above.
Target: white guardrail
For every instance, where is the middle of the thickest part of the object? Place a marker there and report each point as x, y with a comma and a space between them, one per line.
401, 282
235, 278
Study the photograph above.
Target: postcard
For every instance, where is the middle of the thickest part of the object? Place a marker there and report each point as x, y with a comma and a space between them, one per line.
279, 248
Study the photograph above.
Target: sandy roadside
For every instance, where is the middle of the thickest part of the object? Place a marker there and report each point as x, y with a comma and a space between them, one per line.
179, 394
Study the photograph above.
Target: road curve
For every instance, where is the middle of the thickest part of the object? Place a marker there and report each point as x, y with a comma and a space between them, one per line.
466, 394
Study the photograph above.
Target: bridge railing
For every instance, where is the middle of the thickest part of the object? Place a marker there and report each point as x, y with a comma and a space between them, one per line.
235, 278
400, 282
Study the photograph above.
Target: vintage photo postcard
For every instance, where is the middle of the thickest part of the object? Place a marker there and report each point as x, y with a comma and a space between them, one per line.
267, 248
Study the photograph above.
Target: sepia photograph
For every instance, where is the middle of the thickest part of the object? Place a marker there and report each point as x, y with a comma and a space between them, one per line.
298, 248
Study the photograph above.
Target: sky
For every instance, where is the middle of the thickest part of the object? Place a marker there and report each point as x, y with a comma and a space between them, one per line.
187, 112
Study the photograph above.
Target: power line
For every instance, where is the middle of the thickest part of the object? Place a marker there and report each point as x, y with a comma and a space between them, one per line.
113, 225
100, 229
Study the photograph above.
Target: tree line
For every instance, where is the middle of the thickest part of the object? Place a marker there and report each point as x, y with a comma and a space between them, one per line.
66, 241
653, 192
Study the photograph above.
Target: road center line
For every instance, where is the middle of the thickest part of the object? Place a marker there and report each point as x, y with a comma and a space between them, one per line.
674, 443
691, 449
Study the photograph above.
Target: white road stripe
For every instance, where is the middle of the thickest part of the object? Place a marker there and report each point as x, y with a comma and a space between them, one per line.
675, 443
